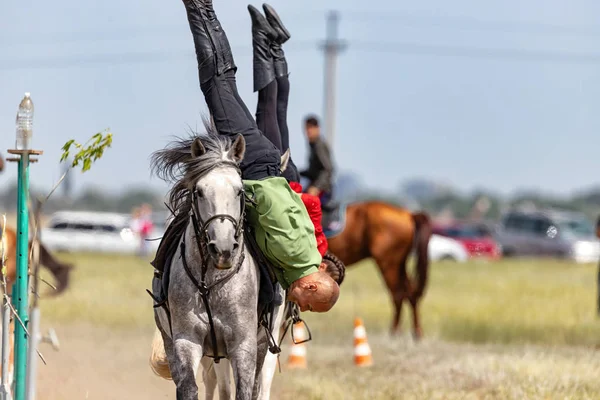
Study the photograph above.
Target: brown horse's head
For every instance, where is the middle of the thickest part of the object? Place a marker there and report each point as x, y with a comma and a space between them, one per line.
60, 270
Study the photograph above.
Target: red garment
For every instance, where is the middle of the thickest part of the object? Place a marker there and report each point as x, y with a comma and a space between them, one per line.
313, 206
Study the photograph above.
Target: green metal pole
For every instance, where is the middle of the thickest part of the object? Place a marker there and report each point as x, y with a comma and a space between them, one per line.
20, 294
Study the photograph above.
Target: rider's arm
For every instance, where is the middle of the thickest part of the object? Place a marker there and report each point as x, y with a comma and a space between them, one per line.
325, 175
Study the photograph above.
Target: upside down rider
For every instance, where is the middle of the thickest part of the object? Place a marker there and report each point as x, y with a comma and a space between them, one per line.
282, 226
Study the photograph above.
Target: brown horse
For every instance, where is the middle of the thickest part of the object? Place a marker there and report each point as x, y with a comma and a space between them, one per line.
388, 234
60, 271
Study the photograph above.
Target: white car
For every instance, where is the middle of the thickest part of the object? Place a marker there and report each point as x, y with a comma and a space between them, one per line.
81, 231
445, 248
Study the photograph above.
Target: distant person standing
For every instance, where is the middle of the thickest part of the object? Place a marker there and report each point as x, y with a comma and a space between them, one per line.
146, 227
320, 166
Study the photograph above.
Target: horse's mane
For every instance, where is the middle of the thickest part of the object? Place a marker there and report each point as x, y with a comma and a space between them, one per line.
175, 164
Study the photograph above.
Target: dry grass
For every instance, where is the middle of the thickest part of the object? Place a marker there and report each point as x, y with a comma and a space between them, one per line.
507, 330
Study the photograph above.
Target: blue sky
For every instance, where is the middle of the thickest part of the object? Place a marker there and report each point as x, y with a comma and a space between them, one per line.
505, 122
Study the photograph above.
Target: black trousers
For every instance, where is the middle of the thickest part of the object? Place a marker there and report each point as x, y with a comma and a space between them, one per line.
216, 70
271, 118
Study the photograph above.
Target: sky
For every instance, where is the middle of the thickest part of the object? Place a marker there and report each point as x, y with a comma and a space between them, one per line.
500, 95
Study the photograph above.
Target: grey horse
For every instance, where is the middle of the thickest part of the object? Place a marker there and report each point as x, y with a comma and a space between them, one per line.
208, 202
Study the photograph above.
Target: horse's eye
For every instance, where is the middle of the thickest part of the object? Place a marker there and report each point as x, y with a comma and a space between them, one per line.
200, 193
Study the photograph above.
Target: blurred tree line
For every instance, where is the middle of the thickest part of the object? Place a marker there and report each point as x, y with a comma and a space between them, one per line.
417, 194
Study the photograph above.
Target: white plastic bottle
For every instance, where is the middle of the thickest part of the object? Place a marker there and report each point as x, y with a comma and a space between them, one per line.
24, 123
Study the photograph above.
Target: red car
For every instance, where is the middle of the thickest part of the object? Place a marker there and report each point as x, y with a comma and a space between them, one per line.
478, 241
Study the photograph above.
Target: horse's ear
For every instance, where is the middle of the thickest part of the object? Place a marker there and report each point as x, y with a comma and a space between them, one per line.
197, 148
238, 149
285, 159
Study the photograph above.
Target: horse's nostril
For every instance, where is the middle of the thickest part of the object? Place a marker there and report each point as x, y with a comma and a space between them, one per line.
212, 248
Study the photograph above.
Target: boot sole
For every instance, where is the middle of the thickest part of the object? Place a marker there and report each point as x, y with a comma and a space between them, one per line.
275, 21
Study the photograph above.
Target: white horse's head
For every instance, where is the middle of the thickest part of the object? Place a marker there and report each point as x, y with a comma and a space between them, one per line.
218, 196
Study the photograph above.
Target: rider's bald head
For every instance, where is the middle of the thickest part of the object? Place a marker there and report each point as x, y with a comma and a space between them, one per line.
316, 292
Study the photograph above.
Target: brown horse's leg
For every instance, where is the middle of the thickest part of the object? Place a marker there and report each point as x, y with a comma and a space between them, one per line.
417, 331
390, 276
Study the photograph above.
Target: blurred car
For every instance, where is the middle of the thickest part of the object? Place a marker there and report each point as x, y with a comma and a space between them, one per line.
81, 231
549, 233
477, 240
445, 248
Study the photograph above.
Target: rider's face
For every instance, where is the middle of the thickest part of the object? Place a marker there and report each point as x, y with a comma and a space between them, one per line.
307, 296
312, 132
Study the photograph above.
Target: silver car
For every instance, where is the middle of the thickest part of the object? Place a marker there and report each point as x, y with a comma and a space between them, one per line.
549, 233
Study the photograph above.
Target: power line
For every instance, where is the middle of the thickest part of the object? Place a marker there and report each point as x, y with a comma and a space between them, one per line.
401, 48
371, 17
129, 58
405, 48
471, 23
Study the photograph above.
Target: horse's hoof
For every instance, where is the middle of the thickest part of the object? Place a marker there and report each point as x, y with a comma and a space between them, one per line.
417, 335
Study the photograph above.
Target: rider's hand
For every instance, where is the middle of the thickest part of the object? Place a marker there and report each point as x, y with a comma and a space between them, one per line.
313, 191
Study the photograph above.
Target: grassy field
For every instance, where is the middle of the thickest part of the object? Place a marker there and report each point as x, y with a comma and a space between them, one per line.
511, 329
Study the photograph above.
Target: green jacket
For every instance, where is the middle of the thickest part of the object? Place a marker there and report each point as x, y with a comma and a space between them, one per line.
283, 229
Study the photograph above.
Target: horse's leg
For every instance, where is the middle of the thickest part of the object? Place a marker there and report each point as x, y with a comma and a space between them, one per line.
209, 377
223, 371
270, 364
417, 331
394, 275
261, 354
187, 356
243, 361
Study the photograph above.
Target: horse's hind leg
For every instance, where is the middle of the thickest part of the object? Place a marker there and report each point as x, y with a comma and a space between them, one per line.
391, 271
209, 377
223, 371
417, 330
243, 362
187, 360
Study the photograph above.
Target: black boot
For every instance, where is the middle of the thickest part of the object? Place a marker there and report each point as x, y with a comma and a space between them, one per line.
262, 37
213, 52
283, 35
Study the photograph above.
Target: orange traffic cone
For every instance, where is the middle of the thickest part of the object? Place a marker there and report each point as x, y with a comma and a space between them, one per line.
297, 358
362, 350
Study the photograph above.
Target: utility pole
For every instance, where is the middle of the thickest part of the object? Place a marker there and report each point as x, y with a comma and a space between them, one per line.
332, 47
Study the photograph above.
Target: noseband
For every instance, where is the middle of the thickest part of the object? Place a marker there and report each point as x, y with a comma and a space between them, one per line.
201, 226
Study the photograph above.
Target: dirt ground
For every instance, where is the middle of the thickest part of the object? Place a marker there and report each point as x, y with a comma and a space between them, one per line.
95, 363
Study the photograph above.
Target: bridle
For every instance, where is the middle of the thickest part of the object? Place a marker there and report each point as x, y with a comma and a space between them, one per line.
201, 234
201, 226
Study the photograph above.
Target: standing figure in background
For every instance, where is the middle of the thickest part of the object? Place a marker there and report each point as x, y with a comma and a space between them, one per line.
146, 227
320, 167
136, 226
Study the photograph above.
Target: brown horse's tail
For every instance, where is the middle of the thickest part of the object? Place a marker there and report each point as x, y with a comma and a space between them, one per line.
423, 231
60, 271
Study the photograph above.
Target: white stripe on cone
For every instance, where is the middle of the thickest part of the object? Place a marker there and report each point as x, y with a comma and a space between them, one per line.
298, 350
362, 349
360, 332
